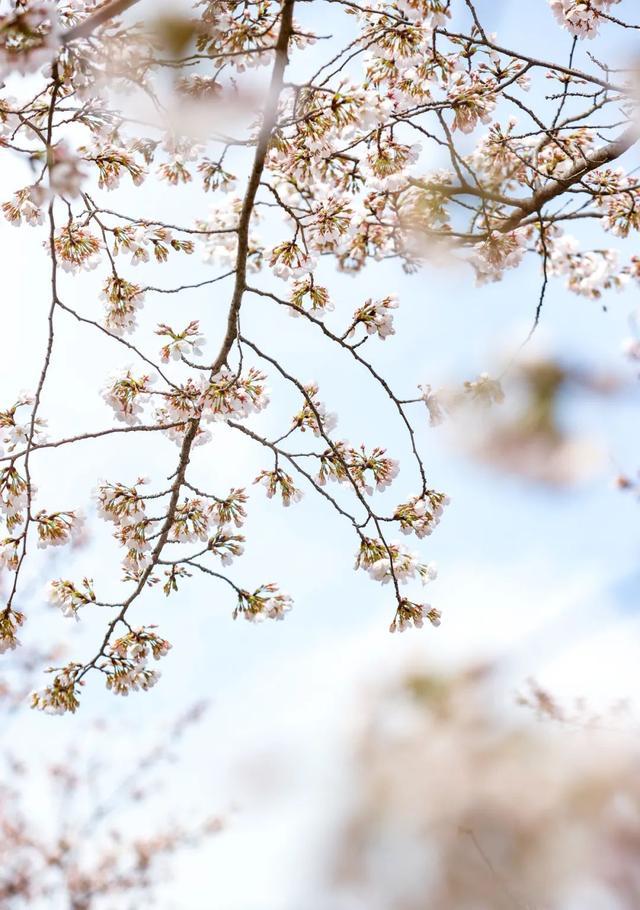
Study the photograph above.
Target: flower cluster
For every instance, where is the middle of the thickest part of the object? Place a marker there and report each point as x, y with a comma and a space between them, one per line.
188, 341
220, 233
113, 163
62, 695
472, 100
279, 481
319, 300
190, 521
9, 554
10, 620
215, 177
498, 252
581, 18
588, 273
76, 248
120, 504
28, 37
433, 404
314, 415
126, 665
55, 529
413, 614
421, 514
355, 466
231, 510
125, 508
376, 317
228, 395
14, 496
127, 395
266, 602
288, 259
122, 299
145, 241
618, 197
484, 390
25, 205
392, 562
69, 598
198, 519
15, 432
226, 546
180, 150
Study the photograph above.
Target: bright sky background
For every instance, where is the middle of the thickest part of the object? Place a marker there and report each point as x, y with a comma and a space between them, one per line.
547, 581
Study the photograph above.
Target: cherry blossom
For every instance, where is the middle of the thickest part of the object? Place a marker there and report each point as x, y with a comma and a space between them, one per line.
581, 17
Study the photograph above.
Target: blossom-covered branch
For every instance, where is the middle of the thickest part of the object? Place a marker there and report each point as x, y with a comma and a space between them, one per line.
406, 134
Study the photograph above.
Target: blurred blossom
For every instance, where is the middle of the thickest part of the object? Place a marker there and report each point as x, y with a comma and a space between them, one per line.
456, 804
94, 840
526, 435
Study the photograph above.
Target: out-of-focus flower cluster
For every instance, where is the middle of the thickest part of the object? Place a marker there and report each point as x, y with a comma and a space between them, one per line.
131, 850
458, 802
28, 37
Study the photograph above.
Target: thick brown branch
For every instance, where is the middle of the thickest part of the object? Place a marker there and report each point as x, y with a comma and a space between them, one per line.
560, 185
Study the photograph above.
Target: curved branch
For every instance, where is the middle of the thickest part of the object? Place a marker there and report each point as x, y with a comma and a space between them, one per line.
560, 185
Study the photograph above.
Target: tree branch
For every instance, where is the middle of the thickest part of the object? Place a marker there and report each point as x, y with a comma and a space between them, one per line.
264, 138
106, 12
560, 185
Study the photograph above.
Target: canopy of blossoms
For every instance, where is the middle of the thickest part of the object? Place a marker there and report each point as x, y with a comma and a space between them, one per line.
333, 168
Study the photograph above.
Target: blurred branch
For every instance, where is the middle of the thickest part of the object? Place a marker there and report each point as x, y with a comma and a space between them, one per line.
108, 11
